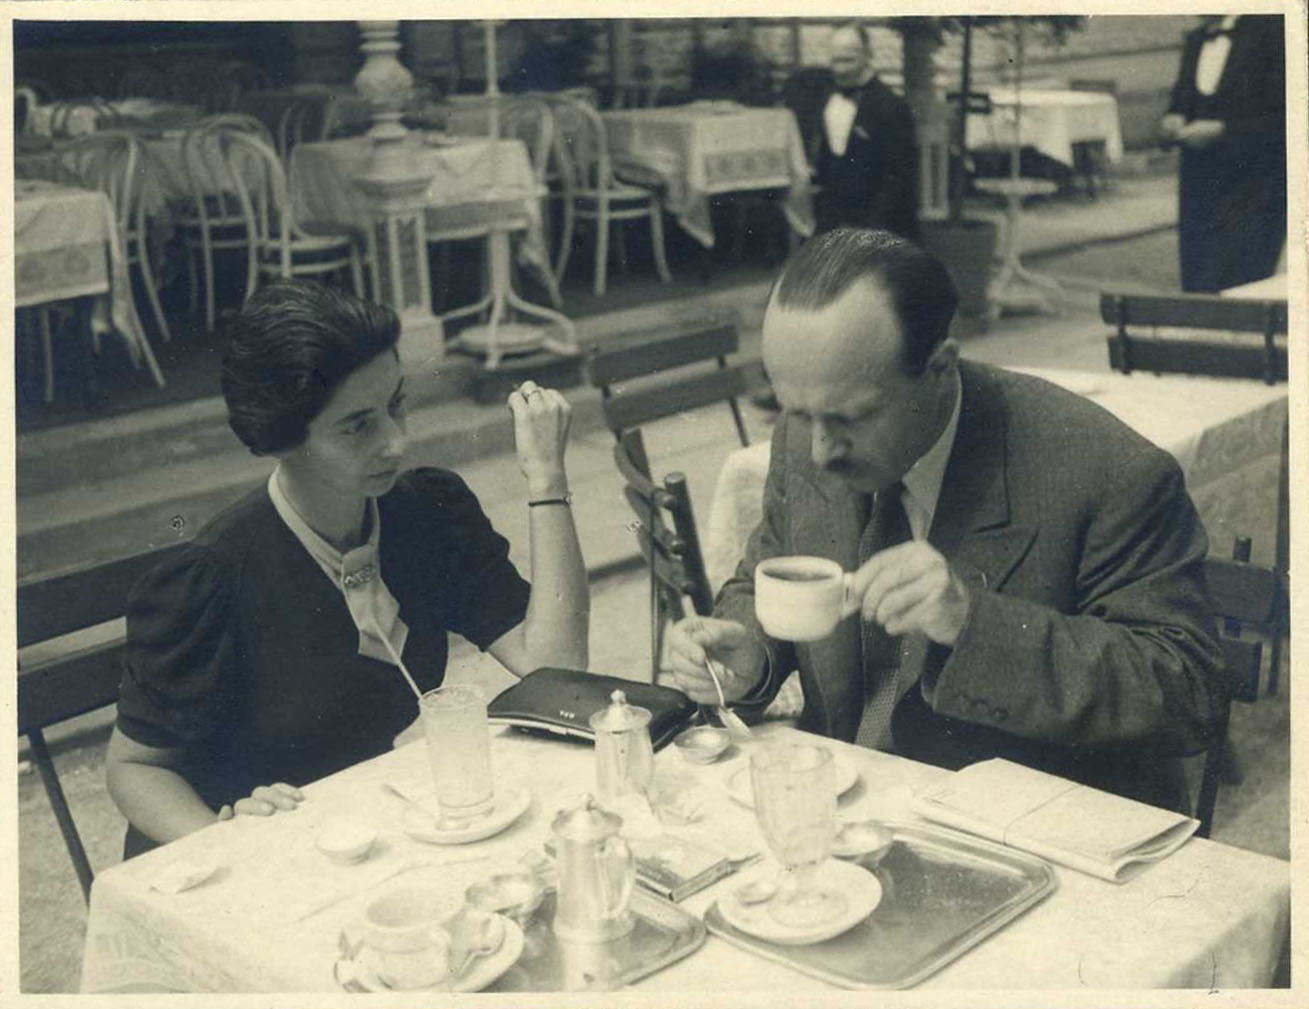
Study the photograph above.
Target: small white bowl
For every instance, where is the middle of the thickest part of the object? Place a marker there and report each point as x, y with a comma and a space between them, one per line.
862, 841
702, 745
345, 842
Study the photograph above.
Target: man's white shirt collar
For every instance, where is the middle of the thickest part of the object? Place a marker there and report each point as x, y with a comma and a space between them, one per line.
923, 481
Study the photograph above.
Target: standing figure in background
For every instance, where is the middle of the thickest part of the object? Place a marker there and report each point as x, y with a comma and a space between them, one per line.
1228, 114
866, 161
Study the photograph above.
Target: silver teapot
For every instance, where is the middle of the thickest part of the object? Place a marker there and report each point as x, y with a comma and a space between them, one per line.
624, 755
596, 875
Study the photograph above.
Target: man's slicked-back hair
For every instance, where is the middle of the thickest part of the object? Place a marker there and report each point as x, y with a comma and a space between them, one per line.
921, 290
288, 349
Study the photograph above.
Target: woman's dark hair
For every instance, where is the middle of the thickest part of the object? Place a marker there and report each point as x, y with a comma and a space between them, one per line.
288, 349
921, 290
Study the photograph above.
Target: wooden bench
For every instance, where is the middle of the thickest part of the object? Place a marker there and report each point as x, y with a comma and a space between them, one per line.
71, 679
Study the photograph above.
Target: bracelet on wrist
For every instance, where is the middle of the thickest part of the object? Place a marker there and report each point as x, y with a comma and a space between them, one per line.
565, 499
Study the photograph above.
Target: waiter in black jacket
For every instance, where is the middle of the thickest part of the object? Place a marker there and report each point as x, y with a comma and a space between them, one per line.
866, 161
1228, 114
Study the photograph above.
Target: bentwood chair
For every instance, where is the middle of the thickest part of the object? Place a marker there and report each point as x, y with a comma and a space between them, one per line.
283, 246
117, 163
1245, 598
592, 193
308, 117
213, 220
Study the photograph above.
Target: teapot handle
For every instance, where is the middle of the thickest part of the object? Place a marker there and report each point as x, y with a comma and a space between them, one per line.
622, 871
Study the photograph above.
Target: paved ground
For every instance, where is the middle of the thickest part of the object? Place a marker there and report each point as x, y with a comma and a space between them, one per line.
52, 916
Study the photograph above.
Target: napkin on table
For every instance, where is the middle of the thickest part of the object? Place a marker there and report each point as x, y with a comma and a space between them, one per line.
1075, 825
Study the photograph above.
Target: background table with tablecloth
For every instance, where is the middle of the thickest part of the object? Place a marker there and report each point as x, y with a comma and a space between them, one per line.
705, 148
1053, 120
459, 198
67, 245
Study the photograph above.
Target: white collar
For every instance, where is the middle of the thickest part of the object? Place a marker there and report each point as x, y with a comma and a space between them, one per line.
923, 480
332, 561
356, 573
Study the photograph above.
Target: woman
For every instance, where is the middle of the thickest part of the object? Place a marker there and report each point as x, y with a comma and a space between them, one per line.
254, 661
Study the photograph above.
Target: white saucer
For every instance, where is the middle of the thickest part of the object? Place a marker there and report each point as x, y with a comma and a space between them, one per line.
510, 803
354, 975
859, 887
740, 788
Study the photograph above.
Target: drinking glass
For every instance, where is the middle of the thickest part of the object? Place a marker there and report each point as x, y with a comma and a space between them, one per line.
459, 749
795, 802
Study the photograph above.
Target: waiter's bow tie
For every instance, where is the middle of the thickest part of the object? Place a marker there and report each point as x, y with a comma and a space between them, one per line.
851, 92
1215, 30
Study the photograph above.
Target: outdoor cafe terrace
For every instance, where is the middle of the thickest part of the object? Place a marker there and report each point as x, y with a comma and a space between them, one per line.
124, 274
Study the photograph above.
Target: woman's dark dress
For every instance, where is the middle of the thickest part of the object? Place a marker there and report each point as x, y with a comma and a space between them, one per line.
242, 654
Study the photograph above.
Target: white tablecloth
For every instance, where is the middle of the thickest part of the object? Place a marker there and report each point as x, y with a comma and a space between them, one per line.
1052, 121
1217, 428
1209, 916
1274, 287
701, 149
67, 245
463, 172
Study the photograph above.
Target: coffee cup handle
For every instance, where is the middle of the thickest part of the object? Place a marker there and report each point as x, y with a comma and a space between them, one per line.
850, 603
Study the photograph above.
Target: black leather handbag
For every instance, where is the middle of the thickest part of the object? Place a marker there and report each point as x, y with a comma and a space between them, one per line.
561, 702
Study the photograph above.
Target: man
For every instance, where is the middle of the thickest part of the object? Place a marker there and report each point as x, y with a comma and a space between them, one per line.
866, 161
1228, 113
1025, 567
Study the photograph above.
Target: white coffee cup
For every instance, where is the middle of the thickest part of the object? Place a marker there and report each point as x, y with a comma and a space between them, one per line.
404, 939
800, 598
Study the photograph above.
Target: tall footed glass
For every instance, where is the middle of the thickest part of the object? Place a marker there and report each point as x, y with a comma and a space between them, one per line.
794, 788
459, 748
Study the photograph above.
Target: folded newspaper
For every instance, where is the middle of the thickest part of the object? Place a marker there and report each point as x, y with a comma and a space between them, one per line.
1075, 825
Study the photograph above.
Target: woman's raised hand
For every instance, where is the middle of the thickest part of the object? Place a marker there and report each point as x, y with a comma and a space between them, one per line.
264, 801
541, 421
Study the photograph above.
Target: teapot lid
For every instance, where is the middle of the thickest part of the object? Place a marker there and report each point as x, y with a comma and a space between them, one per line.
619, 716
586, 822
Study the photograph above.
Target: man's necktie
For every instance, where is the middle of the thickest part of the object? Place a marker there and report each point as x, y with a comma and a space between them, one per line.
887, 526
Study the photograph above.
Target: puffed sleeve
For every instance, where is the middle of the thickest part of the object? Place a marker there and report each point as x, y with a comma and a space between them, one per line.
180, 657
486, 596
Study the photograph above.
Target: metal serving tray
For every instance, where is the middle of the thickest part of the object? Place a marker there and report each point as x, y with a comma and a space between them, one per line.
943, 893
663, 933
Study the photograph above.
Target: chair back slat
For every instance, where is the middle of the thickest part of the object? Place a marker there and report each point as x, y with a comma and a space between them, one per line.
1168, 355
667, 543
1242, 660
57, 690
646, 353
1194, 311
52, 606
1244, 592
639, 406
692, 556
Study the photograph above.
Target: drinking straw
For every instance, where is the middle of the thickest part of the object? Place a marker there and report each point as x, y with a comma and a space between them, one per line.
398, 661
